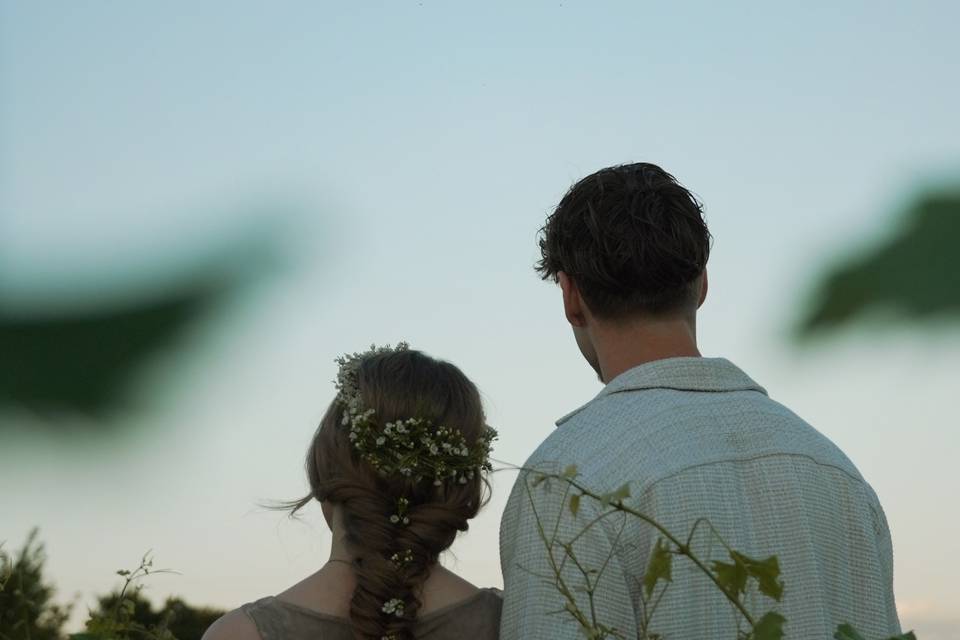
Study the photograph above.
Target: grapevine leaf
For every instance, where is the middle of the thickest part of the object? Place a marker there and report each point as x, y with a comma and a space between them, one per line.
769, 627
658, 568
847, 632
732, 577
765, 572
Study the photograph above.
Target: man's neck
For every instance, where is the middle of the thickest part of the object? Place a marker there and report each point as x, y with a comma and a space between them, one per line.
621, 347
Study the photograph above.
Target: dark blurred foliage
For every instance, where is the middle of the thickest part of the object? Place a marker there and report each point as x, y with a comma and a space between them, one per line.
915, 274
179, 618
85, 360
27, 611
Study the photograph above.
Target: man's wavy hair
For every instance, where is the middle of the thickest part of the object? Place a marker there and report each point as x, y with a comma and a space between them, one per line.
632, 238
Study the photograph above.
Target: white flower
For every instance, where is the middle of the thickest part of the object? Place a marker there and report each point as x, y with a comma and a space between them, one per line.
381, 440
394, 518
394, 606
437, 482
433, 449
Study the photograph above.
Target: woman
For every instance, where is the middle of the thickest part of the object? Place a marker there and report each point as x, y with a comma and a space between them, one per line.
398, 465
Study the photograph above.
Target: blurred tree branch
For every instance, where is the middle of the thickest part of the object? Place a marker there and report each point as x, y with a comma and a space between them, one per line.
915, 274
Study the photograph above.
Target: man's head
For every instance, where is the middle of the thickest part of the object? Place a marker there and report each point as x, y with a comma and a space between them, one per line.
627, 244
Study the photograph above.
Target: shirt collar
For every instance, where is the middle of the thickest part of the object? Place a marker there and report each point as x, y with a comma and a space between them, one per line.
681, 374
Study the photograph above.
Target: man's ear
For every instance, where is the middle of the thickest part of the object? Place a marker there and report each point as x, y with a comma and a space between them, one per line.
573, 306
703, 289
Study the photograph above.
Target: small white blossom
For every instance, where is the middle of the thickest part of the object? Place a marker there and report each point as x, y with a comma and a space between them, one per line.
394, 606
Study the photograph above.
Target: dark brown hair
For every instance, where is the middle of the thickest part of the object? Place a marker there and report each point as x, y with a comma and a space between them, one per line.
631, 237
396, 385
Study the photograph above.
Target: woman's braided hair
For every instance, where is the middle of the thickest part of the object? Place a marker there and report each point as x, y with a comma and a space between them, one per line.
403, 450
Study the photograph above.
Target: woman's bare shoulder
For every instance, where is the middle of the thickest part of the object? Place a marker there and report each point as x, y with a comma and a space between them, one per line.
233, 625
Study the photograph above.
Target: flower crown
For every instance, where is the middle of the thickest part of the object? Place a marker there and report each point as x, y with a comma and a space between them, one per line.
412, 447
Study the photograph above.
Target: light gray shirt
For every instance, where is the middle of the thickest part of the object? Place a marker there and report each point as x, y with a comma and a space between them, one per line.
697, 438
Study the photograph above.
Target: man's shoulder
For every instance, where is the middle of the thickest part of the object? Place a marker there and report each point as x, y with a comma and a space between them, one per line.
655, 433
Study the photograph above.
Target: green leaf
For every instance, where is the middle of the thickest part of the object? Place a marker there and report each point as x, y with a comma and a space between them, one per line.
570, 472
769, 627
765, 572
615, 496
847, 632
575, 504
732, 577
659, 567
622, 493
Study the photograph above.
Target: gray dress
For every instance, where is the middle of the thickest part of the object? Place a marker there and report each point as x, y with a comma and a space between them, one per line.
476, 618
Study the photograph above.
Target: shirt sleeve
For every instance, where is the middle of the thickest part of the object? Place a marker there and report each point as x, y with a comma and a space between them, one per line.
539, 569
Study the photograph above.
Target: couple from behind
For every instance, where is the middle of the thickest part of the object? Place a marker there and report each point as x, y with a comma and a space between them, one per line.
399, 467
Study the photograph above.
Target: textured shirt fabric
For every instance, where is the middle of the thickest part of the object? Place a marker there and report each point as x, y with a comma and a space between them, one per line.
696, 438
477, 617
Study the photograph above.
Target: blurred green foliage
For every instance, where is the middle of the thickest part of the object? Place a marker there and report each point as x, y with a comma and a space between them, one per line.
915, 274
179, 619
27, 610
86, 362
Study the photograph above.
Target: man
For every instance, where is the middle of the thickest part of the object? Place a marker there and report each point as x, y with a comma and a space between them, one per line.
695, 438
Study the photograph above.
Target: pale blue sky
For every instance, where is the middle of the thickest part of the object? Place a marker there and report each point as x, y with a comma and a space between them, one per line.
408, 152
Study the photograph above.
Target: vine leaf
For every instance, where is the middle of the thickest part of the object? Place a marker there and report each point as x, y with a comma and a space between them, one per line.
619, 495
847, 632
769, 627
731, 577
658, 568
765, 572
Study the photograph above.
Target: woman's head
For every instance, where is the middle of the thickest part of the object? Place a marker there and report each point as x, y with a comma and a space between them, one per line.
398, 517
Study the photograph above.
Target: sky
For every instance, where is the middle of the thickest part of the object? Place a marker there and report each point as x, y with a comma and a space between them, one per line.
402, 156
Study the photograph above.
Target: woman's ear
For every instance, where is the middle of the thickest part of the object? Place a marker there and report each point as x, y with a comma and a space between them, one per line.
573, 306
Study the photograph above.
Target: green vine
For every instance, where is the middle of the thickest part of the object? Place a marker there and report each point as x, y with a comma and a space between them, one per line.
734, 578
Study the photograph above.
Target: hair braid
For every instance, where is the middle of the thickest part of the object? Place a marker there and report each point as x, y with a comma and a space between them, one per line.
397, 526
